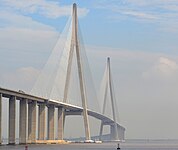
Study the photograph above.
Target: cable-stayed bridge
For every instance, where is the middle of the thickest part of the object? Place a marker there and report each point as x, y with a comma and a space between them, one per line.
64, 85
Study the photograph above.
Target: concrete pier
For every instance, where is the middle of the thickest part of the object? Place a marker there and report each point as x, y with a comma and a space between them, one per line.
32, 108
113, 132
23, 121
42, 122
12, 119
51, 109
121, 131
0, 117
101, 130
60, 123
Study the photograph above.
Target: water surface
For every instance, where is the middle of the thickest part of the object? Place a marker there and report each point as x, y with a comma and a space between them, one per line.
128, 145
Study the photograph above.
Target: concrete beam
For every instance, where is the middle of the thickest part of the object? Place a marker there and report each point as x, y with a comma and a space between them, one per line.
23, 121
8, 93
12, 119
32, 108
0, 117
51, 109
60, 123
42, 122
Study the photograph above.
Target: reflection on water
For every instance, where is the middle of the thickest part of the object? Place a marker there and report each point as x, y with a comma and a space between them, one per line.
128, 145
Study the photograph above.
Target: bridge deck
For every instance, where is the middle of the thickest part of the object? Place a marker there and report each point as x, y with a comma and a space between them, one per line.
71, 109
33, 101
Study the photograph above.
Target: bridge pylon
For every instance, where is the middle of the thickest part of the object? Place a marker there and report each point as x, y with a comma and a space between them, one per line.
74, 46
108, 87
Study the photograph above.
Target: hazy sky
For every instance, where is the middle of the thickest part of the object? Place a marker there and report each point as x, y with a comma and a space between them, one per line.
140, 36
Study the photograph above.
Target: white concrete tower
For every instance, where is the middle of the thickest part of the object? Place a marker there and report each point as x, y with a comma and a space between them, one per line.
75, 46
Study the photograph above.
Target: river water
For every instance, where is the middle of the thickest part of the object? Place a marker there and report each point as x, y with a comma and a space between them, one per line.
128, 145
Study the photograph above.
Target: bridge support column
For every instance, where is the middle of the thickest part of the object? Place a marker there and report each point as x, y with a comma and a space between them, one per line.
101, 130
23, 121
32, 121
113, 132
0, 118
42, 122
60, 123
12, 119
51, 109
121, 132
